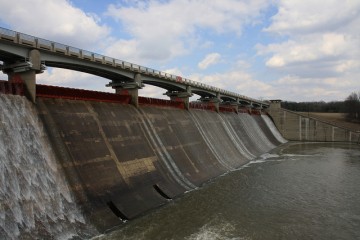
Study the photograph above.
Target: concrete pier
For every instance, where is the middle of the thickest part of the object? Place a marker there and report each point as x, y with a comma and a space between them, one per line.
25, 72
128, 88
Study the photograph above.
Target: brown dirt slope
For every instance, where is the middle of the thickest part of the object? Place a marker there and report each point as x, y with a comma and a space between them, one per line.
337, 119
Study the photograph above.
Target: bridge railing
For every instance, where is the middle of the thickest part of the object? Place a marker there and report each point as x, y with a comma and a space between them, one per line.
43, 44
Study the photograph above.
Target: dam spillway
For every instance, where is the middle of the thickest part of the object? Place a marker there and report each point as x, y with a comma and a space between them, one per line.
121, 161
35, 199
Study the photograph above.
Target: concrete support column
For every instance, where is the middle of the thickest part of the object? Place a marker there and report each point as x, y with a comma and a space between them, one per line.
25, 72
128, 88
250, 107
183, 100
237, 105
216, 102
181, 96
28, 78
133, 93
212, 101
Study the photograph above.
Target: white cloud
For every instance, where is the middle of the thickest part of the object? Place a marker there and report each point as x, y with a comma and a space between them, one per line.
210, 59
73, 79
174, 71
295, 88
163, 30
56, 20
319, 58
153, 92
124, 50
60, 21
238, 81
315, 47
308, 16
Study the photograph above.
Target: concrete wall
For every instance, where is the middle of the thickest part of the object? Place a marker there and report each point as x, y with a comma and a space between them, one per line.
123, 161
296, 127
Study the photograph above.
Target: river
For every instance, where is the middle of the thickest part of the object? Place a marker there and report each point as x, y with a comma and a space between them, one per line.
297, 191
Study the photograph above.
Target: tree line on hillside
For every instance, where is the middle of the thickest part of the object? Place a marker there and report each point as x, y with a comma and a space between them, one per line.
351, 106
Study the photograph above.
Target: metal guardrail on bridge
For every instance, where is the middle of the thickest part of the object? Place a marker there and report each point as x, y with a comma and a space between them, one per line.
46, 45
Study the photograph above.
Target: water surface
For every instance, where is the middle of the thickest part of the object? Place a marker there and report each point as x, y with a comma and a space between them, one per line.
297, 191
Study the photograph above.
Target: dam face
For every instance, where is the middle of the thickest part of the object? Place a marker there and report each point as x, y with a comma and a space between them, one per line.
35, 199
121, 161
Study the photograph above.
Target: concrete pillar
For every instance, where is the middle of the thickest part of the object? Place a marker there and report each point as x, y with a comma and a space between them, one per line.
236, 107
212, 101
216, 102
181, 96
250, 107
128, 88
25, 72
35, 59
133, 93
28, 78
184, 100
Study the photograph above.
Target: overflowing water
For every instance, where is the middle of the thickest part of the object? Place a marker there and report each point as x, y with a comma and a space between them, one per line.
297, 191
35, 202
273, 129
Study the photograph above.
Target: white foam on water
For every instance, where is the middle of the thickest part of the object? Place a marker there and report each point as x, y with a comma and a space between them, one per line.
296, 155
218, 231
271, 157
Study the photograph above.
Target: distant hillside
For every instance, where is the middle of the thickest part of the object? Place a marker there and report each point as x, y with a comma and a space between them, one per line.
325, 107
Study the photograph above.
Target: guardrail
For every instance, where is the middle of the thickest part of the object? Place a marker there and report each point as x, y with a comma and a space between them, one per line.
46, 45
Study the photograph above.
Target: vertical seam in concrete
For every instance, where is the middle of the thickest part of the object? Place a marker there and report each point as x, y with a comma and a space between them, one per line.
300, 128
306, 129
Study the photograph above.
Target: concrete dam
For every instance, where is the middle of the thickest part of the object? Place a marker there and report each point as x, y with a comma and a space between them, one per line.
67, 164
76, 163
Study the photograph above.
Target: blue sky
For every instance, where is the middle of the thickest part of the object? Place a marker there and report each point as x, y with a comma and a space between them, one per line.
298, 50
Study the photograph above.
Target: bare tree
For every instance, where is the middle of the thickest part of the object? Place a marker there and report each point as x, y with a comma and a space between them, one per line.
352, 106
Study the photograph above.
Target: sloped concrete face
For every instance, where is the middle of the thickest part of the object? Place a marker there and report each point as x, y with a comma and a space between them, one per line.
123, 161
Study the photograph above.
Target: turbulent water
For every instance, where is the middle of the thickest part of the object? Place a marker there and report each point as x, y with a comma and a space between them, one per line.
35, 202
297, 191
